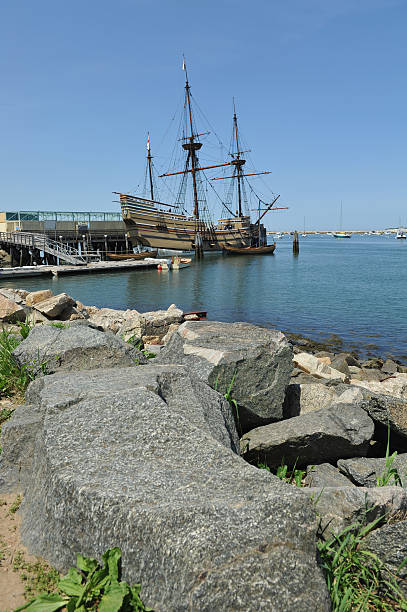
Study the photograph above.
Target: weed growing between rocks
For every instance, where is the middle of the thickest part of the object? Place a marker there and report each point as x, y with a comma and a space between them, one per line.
294, 476
91, 587
13, 379
357, 579
390, 475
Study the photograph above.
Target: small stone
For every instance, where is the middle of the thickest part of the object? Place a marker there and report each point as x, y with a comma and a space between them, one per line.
38, 296
54, 306
389, 367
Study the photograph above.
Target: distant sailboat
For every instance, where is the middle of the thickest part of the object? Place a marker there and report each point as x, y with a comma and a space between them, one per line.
341, 234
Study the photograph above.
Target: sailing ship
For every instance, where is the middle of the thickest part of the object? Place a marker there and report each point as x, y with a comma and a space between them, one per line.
341, 234
153, 223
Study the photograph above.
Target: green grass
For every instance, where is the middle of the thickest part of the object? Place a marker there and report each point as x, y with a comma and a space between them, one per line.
13, 379
358, 581
294, 476
38, 577
390, 475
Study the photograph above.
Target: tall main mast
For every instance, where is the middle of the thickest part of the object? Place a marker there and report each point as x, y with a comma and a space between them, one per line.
192, 146
238, 162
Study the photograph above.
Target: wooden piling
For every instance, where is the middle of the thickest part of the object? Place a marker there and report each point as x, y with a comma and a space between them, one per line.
296, 243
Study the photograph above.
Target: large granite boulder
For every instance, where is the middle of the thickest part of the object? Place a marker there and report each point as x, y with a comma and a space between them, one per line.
304, 398
56, 307
364, 471
255, 362
124, 458
339, 507
323, 435
12, 307
78, 346
386, 410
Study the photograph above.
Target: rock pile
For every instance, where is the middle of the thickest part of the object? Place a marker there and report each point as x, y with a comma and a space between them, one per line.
112, 450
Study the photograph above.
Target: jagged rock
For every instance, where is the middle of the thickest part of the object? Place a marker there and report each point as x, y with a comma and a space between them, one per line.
112, 320
389, 543
386, 410
325, 475
151, 339
339, 507
376, 362
312, 365
256, 360
364, 471
53, 307
11, 310
77, 347
351, 360
396, 386
324, 435
171, 331
389, 367
135, 462
300, 399
372, 375
38, 296
340, 363
352, 395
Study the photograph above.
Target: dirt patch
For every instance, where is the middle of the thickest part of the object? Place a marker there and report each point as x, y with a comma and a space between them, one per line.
22, 575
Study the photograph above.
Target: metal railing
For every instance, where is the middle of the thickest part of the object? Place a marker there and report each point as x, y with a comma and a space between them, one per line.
47, 245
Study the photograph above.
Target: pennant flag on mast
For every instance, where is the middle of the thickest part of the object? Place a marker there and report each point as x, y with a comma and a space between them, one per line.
184, 66
148, 142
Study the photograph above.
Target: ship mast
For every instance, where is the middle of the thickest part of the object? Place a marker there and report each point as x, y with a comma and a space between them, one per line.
192, 146
149, 158
238, 162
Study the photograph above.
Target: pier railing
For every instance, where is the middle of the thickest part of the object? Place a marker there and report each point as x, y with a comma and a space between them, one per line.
47, 245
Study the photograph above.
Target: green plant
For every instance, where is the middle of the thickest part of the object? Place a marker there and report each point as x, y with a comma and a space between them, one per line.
293, 476
357, 580
59, 325
91, 587
13, 378
38, 577
389, 473
16, 504
25, 327
232, 402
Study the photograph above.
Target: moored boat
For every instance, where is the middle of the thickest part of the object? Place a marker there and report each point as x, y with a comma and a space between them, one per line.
259, 250
124, 256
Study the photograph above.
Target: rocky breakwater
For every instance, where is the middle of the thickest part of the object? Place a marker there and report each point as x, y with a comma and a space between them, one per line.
112, 451
146, 457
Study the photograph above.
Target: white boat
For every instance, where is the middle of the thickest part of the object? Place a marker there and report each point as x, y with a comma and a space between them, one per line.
175, 263
401, 235
341, 235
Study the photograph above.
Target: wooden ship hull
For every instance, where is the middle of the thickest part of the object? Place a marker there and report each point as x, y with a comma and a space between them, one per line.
149, 226
261, 250
123, 256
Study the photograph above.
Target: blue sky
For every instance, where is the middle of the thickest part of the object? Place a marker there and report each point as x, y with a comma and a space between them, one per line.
320, 87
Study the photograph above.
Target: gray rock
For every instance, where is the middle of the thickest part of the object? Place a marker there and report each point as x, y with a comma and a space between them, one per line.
364, 471
352, 361
389, 543
389, 367
340, 363
376, 362
325, 475
76, 347
301, 399
55, 306
386, 410
139, 468
258, 360
373, 375
324, 435
339, 507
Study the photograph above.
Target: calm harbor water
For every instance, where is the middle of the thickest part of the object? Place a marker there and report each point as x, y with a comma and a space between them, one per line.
356, 289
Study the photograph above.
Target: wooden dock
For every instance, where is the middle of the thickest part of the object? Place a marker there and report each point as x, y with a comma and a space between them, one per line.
98, 267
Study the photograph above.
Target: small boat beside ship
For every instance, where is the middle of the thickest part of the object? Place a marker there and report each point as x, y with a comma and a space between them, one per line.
136, 256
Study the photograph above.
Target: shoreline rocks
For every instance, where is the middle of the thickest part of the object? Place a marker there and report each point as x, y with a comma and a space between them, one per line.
114, 449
